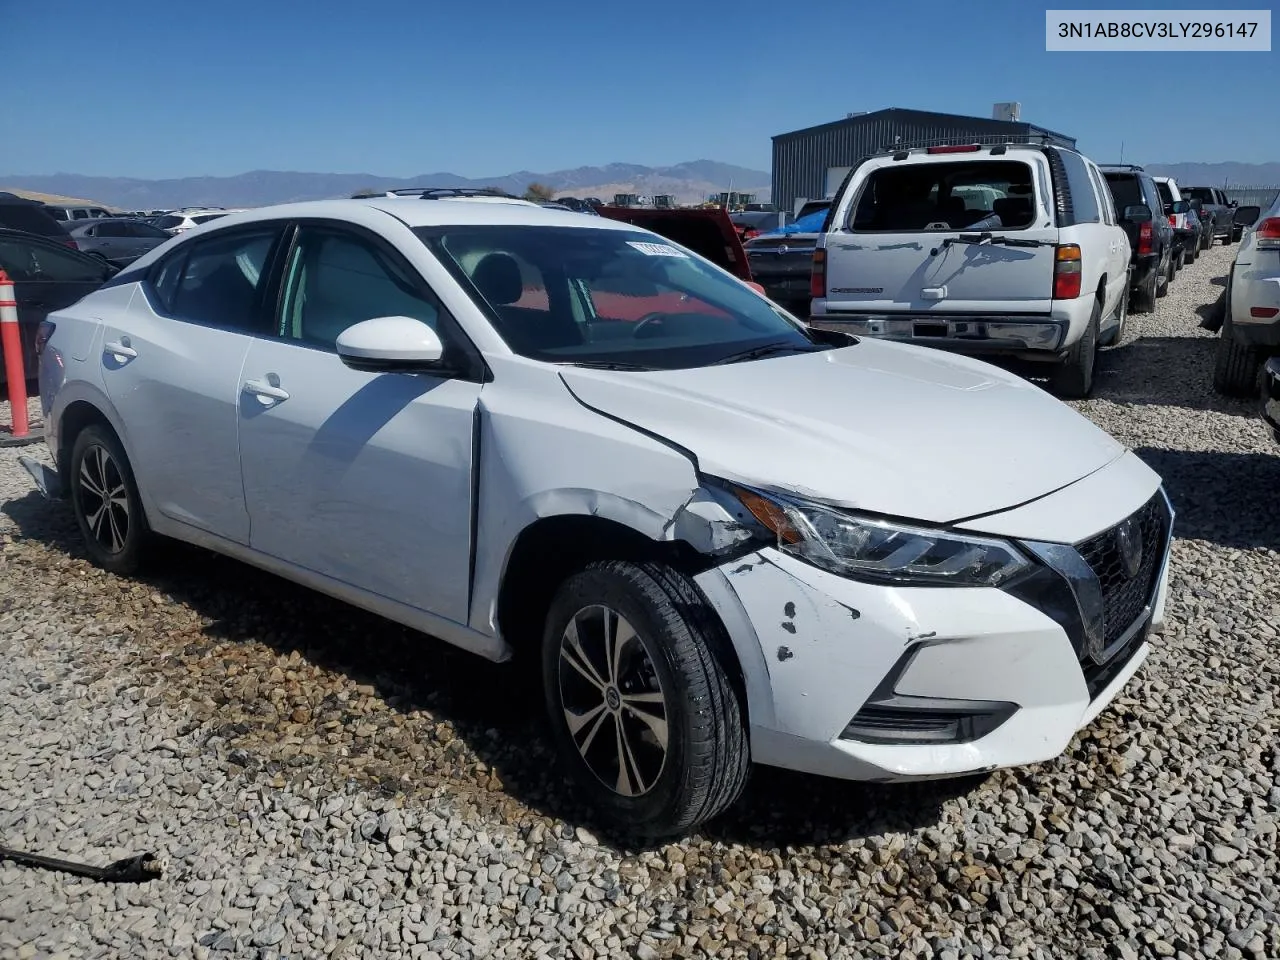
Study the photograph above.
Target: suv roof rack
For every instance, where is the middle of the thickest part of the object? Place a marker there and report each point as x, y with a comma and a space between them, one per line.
985, 140
434, 193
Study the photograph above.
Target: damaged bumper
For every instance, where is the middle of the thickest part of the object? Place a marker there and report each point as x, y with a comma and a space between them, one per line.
868, 682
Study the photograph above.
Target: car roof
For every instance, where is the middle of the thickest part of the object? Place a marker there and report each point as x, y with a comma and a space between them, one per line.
415, 212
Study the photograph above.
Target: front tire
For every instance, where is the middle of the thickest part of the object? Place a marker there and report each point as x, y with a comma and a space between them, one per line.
1073, 378
1235, 365
105, 500
642, 710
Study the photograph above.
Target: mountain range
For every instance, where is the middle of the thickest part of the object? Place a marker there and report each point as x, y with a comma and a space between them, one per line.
690, 181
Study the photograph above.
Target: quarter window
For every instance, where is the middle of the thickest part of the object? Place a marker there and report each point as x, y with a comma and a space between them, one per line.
1084, 197
336, 279
218, 280
45, 264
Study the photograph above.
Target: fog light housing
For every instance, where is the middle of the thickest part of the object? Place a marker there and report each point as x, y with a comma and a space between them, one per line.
926, 720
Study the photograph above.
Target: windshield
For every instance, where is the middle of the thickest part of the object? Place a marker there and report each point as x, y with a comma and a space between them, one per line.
600, 297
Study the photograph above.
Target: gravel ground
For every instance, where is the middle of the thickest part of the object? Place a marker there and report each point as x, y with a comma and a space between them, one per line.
324, 784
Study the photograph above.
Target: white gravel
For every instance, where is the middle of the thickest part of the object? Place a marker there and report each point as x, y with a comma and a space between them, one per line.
323, 784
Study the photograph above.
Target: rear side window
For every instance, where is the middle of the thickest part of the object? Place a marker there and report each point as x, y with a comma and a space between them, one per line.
1084, 197
217, 281
169, 222
145, 231
110, 229
42, 263
30, 218
1126, 189
993, 194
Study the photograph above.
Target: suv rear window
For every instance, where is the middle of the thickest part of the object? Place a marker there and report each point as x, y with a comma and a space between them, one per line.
1126, 189
1203, 194
31, 218
999, 194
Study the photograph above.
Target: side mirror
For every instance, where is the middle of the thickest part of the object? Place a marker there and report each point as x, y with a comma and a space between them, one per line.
1137, 213
1246, 216
390, 344
1180, 206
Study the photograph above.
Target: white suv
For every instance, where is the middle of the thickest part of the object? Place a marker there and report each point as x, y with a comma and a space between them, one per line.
527, 430
1012, 248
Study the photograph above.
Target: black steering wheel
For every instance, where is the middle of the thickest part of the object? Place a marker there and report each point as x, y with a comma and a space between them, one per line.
648, 321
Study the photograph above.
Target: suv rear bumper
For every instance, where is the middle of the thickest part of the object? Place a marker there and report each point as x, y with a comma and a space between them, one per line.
987, 334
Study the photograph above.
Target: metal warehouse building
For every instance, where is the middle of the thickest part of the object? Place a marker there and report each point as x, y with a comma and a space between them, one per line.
811, 163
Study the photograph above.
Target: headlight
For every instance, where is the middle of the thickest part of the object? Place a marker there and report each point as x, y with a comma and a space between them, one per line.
870, 549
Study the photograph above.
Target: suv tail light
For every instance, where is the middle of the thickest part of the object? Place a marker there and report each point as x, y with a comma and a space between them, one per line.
1267, 234
1173, 219
818, 275
1066, 272
71, 242
1146, 238
43, 333
957, 148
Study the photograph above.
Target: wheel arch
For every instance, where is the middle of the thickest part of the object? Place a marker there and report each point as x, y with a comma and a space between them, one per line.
551, 548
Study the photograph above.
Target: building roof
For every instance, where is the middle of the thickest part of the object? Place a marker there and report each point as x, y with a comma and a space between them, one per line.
926, 116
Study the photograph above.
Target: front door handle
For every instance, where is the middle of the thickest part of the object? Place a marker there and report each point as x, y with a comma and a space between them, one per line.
265, 392
120, 350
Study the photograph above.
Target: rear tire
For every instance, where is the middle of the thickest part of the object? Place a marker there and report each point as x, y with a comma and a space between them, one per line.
1122, 308
643, 712
1236, 366
105, 500
1166, 278
1073, 378
1143, 299
1190, 252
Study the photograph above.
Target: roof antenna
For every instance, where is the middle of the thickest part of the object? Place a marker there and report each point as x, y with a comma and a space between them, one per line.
1121, 153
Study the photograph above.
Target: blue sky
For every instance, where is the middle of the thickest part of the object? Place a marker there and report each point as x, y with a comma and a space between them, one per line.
169, 88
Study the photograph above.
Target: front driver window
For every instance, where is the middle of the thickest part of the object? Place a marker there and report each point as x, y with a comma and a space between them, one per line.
335, 280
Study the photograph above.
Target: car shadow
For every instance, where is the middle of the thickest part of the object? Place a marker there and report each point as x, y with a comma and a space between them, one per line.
482, 716
1228, 499
1165, 371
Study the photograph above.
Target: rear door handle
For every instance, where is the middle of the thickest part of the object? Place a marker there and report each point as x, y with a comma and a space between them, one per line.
121, 351
265, 392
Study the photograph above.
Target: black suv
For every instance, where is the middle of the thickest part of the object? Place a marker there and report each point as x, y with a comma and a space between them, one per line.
30, 216
1151, 238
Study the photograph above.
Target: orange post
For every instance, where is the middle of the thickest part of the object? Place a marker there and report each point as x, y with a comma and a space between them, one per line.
11, 342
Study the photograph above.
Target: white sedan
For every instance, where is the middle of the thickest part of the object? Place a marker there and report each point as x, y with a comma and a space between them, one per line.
728, 538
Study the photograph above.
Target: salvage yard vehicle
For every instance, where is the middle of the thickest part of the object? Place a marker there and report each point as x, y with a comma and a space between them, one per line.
1219, 210
1186, 238
1249, 324
1012, 249
1150, 234
781, 262
46, 276
529, 431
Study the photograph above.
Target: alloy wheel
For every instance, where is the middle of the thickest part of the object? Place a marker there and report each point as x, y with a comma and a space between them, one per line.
104, 498
613, 702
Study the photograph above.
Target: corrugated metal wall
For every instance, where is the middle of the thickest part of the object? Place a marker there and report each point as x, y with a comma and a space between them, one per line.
801, 159
1262, 197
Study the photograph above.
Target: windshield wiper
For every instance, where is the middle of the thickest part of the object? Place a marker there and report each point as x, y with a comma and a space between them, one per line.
604, 365
756, 353
988, 237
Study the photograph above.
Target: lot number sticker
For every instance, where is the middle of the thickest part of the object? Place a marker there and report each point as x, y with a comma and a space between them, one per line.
657, 249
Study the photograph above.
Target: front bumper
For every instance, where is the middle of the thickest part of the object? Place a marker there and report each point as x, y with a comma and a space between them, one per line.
1271, 396
992, 334
829, 660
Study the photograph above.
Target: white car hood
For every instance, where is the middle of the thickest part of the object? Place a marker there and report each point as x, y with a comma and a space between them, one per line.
893, 429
